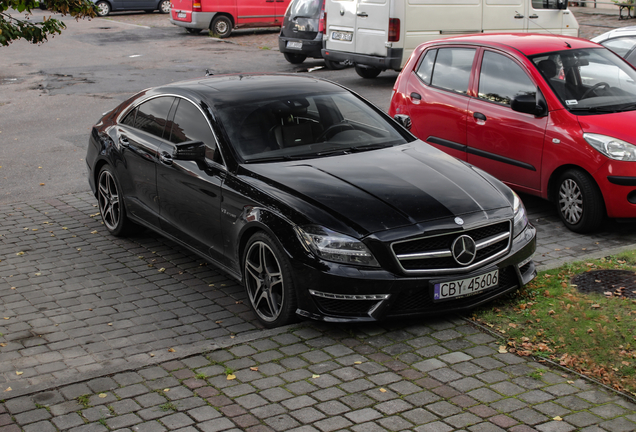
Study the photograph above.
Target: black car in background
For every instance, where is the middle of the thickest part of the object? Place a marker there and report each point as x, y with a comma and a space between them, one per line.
318, 202
302, 32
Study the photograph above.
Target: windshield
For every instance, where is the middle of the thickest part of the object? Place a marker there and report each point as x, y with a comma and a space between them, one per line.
306, 126
589, 80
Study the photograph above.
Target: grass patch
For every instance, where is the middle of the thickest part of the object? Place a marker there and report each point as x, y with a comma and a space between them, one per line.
168, 407
593, 334
83, 400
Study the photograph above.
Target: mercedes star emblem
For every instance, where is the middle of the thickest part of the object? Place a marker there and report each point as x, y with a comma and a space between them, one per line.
459, 221
464, 250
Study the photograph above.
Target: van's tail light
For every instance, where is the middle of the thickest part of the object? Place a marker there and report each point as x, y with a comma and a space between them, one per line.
394, 29
322, 22
196, 6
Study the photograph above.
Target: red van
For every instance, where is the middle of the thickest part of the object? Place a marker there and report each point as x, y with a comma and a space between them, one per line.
222, 16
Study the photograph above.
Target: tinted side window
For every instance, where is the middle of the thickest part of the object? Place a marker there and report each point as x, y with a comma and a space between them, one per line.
425, 69
501, 79
545, 4
129, 120
151, 115
189, 124
452, 69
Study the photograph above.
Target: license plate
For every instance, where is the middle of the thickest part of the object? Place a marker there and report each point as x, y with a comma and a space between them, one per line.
465, 287
342, 36
181, 15
294, 45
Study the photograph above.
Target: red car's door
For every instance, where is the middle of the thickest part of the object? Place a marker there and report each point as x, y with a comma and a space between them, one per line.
256, 13
437, 95
502, 142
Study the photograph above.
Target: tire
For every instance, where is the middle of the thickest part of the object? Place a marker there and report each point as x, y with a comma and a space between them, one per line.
334, 65
579, 202
102, 8
221, 26
367, 72
164, 6
193, 31
111, 203
269, 281
295, 58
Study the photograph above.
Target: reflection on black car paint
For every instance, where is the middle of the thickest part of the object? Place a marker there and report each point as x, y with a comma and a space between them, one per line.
317, 201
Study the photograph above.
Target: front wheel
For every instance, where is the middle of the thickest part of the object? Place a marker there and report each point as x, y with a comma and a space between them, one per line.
221, 26
365, 72
295, 58
164, 6
579, 202
111, 203
102, 8
268, 281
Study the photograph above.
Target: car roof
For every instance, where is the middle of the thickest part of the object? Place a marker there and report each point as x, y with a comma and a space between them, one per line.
237, 89
615, 33
527, 43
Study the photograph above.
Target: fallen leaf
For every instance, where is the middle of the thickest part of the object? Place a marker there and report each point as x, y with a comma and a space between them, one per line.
557, 418
110, 324
42, 184
6, 318
232, 337
502, 350
2, 344
239, 302
166, 390
231, 377
162, 269
218, 322
590, 331
171, 350
595, 306
18, 373
315, 376
8, 389
13, 288
152, 354
20, 253
94, 232
254, 368
382, 390
357, 362
570, 382
102, 395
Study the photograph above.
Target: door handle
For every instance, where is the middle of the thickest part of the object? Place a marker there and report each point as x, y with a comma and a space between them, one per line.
166, 158
535, 16
123, 140
479, 116
518, 16
416, 96
362, 14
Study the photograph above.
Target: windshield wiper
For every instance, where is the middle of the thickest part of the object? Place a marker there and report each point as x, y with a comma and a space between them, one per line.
354, 149
274, 159
596, 109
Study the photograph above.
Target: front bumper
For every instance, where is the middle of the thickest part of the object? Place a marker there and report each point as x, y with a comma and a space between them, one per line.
617, 182
348, 294
392, 60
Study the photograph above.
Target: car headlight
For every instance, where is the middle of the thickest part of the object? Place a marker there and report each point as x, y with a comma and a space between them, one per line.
613, 148
521, 218
333, 246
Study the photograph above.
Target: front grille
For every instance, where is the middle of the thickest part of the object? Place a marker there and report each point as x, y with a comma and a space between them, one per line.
438, 249
420, 300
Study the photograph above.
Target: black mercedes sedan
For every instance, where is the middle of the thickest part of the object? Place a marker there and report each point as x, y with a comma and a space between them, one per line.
318, 202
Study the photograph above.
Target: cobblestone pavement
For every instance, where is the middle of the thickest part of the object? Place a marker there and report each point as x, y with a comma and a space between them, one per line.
438, 376
95, 329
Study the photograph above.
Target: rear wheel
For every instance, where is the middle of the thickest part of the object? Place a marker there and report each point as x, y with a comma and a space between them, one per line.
334, 65
164, 6
268, 281
102, 8
579, 202
295, 58
221, 26
366, 72
111, 203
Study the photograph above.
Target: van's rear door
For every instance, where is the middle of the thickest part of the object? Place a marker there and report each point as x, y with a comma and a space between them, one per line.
341, 23
181, 10
372, 27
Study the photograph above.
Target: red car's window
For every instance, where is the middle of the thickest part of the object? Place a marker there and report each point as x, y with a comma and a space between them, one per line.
452, 69
501, 79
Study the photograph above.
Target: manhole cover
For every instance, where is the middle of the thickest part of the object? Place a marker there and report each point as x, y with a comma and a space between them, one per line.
621, 283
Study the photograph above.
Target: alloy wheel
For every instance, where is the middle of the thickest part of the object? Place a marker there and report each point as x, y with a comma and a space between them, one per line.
108, 198
571, 201
264, 281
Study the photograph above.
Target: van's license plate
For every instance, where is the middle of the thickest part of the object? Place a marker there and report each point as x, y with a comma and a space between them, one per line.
294, 45
181, 15
342, 36
465, 287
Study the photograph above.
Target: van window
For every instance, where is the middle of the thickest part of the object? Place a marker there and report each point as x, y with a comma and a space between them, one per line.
425, 70
452, 69
545, 4
501, 79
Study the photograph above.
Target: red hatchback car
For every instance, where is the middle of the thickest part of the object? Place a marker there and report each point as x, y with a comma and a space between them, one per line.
551, 116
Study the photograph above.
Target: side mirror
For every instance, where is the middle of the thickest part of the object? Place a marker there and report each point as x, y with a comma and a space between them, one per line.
189, 151
528, 104
404, 120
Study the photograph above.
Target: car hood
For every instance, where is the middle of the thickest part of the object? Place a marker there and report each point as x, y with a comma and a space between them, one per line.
613, 124
384, 189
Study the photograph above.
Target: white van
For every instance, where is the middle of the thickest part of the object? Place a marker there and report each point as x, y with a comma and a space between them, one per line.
376, 35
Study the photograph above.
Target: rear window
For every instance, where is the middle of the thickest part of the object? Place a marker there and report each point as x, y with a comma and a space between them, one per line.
304, 9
